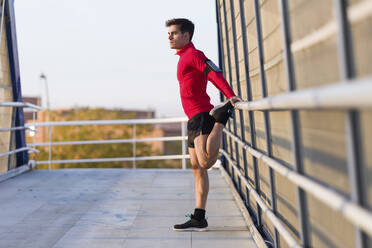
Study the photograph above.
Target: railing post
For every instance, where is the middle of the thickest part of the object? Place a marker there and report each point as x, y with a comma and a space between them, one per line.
222, 66
2, 20
34, 128
229, 79
134, 146
352, 117
50, 147
303, 215
183, 127
11, 143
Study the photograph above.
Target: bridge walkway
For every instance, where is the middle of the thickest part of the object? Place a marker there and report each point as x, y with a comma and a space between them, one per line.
115, 208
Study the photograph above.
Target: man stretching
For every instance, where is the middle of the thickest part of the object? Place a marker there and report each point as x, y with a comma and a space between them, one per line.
205, 125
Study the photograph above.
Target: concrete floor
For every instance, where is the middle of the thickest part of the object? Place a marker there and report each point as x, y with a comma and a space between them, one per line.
114, 208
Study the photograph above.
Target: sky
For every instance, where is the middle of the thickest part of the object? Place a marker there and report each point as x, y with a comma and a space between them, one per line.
111, 54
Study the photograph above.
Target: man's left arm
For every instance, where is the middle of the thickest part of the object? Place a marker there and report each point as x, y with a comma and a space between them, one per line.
214, 75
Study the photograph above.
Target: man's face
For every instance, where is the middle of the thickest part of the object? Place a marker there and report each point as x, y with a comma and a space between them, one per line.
177, 39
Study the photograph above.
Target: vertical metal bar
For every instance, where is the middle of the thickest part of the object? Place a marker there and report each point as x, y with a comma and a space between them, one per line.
222, 65
352, 118
237, 72
345, 49
183, 127
10, 157
220, 42
134, 145
229, 66
34, 128
266, 113
2, 21
271, 176
11, 141
249, 92
296, 136
50, 146
232, 15
264, 94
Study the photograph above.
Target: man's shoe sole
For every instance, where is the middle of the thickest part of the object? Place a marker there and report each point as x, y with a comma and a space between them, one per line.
217, 107
194, 229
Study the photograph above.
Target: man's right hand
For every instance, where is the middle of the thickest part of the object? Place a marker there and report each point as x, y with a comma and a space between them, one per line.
235, 99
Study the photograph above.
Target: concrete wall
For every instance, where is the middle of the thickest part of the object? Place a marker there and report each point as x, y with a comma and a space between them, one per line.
6, 95
323, 139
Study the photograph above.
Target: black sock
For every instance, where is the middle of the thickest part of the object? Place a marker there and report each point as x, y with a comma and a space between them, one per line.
199, 214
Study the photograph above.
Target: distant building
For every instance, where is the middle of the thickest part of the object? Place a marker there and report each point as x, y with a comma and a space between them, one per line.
139, 114
36, 100
168, 130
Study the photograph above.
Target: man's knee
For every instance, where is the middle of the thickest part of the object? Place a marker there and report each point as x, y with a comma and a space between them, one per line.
198, 169
204, 163
195, 165
203, 159
207, 163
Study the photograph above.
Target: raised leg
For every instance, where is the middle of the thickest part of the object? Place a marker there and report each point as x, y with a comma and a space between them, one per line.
207, 146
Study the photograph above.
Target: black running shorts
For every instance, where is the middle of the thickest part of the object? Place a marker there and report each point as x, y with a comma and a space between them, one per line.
201, 123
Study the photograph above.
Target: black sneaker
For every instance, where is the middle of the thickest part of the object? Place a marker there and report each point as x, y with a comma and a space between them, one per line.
222, 112
192, 225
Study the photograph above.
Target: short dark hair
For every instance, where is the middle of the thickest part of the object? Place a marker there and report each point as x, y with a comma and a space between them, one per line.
184, 24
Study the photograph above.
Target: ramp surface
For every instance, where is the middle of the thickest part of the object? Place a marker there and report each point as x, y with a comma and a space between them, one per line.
115, 208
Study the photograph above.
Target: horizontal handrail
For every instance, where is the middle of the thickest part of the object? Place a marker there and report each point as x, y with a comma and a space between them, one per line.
355, 95
109, 122
134, 140
14, 129
127, 159
30, 149
113, 141
274, 219
20, 105
354, 213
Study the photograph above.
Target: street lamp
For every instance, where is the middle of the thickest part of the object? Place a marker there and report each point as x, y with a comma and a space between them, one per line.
44, 78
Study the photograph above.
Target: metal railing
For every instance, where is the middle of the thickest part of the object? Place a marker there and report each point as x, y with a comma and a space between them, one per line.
358, 215
133, 141
27, 105
354, 95
349, 95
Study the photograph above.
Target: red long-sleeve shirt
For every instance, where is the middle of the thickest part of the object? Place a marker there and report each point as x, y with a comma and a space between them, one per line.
193, 81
